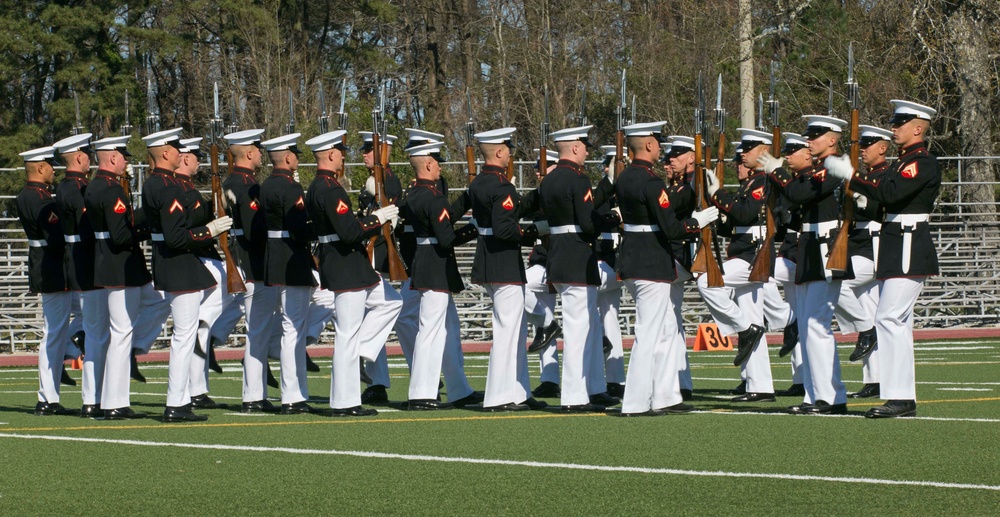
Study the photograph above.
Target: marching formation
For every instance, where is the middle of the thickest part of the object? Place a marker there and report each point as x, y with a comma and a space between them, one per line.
843, 236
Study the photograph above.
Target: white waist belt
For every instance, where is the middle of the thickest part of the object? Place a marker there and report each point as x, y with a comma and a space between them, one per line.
71, 238
102, 235
327, 239
485, 231
407, 229
568, 228
427, 240
907, 219
608, 236
871, 226
157, 237
641, 228
823, 228
756, 231
38, 243
238, 232
277, 234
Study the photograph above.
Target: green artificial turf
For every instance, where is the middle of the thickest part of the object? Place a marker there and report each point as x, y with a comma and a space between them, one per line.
74, 478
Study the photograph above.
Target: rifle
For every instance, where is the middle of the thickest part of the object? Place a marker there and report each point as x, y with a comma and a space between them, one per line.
231, 128
760, 269
543, 157
703, 261
620, 133
324, 120
234, 282
397, 270
470, 150
720, 161
838, 253
510, 162
342, 122
78, 128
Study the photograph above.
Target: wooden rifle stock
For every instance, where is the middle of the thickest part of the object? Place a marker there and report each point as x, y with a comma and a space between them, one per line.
470, 161
838, 252
619, 153
234, 282
704, 262
760, 269
510, 168
397, 270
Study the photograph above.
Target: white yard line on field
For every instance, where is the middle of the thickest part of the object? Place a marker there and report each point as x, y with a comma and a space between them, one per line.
513, 463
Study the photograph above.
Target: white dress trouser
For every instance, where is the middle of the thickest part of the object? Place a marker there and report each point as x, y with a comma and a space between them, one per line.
294, 302
260, 304
735, 307
362, 323
184, 310
894, 326
857, 306
815, 303
97, 326
136, 315
215, 302
677, 300
784, 273
583, 360
507, 374
652, 380
453, 362
428, 351
609, 299
540, 309
378, 367
52, 352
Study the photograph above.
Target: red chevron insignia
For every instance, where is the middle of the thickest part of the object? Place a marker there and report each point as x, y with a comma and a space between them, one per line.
53, 218
342, 207
444, 215
508, 204
197, 204
176, 205
664, 199
910, 171
758, 193
253, 205
119, 207
588, 197
300, 204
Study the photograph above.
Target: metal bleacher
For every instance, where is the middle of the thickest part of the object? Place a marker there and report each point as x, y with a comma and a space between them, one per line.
966, 293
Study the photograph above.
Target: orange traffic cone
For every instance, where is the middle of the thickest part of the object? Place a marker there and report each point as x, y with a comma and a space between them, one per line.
77, 363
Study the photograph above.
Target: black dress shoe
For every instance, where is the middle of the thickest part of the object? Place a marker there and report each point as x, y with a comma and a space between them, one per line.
271, 381
687, 395
616, 390
603, 399
536, 342
80, 340
754, 397
66, 379
651, 412
298, 408
374, 395
790, 339
608, 347
354, 411
51, 408
91, 411
867, 342
476, 397
739, 390
800, 409
213, 363
746, 343
822, 407
123, 413
259, 406
365, 378
795, 390
582, 408
534, 403
547, 390
310, 365
503, 408
868, 391
426, 405
546, 338
134, 369
182, 414
676, 408
893, 409
203, 401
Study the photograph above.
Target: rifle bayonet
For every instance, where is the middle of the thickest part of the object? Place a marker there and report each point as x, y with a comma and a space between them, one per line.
290, 128
342, 115
152, 120
760, 111
78, 128
324, 120
632, 112
829, 103
126, 129
583, 107
233, 126
720, 114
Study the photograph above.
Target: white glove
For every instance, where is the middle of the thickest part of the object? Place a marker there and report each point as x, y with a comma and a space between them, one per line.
543, 227
860, 201
706, 216
769, 163
723, 219
611, 171
393, 223
711, 183
839, 167
386, 213
618, 211
230, 197
219, 225
295, 176
370, 186
129, 170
